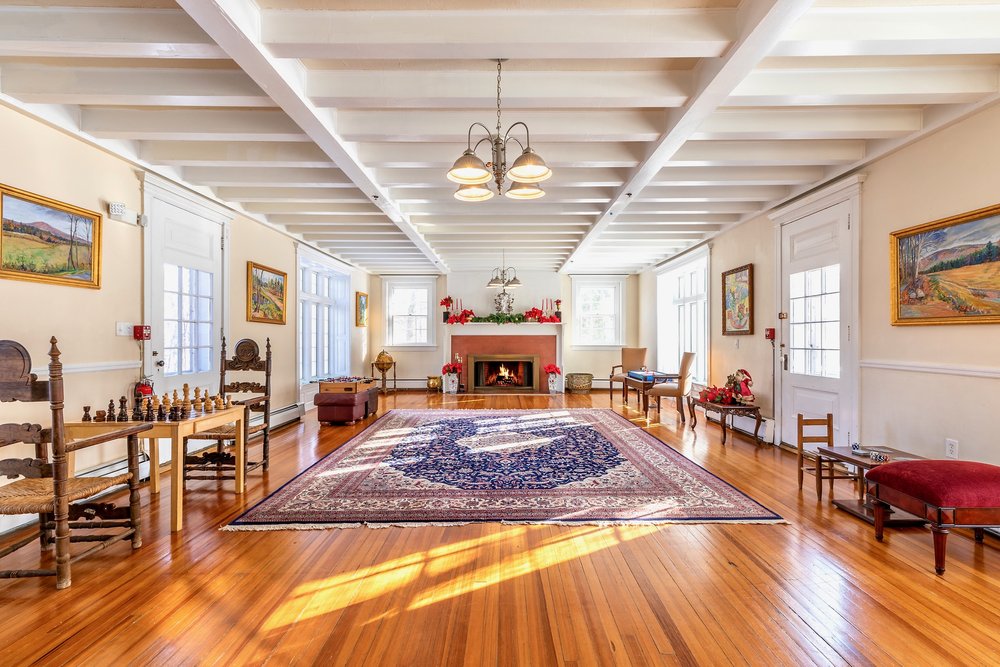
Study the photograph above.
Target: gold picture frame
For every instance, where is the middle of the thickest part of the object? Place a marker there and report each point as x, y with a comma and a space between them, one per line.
263, 286
360, 309
737, 301
947, 271
47, 241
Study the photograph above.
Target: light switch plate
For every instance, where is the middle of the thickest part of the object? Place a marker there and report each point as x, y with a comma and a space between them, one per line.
123, 329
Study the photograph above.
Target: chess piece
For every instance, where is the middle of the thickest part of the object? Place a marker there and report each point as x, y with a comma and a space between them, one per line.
100, 416
229, 402
219, 403
137, 411
175, 398
86, 414
197, 396
186, 403
209, 404
161, 413
148, 405
112, 415
175, 413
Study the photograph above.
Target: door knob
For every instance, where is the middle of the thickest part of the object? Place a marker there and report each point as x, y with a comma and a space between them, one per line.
161, 363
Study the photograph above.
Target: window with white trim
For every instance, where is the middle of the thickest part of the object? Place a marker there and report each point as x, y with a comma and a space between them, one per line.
187, 320
598, 311
324, 321
682, 316
409, 309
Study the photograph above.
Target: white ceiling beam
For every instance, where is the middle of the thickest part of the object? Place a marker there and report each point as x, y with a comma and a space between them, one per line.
331, 218
625, 223
699, 176
366, 237
234, 154
759, 25
302, 177
764, 153
856, 86
569, 177
490, 221
235, 25
504, 207
513, 235
190, 124
79, 32
247, 195
380, 231
458, 89
539, 219
658, 230
135, 87
677, 210
938, 29
712, 193
441, 156
501, 33
655, 238
321, 209
810, 123
554, 195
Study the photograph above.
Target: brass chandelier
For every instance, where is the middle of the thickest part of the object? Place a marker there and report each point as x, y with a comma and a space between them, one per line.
472, 174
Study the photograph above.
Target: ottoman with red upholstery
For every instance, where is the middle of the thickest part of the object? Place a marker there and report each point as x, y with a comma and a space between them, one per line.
346, 408
948, 494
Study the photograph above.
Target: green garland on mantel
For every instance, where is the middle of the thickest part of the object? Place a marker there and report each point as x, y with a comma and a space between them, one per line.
504, 318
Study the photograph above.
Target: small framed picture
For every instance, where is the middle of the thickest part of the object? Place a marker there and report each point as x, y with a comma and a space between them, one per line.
361, 309
737, 301
267, 290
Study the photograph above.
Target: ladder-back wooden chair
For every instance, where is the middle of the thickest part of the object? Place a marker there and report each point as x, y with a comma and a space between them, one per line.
45, 486
822, 469
220, 463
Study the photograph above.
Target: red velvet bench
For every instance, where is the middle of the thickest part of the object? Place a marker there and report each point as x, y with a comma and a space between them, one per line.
346, 408
948, 494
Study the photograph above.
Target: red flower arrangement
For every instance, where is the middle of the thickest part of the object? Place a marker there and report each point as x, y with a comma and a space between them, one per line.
552, 368
461, 318
548, 318
737, 390
452, 368
533, 314
447, 302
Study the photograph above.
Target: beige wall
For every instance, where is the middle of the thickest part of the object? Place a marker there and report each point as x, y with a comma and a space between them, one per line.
599, 362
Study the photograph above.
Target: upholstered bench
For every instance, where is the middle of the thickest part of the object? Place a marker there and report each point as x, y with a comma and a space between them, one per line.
948, 494
346, 408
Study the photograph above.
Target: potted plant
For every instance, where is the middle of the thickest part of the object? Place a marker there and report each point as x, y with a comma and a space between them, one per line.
447, 302
553, 372
449, 375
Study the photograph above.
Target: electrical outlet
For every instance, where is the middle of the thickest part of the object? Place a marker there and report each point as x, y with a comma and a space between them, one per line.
123, 329
950, 448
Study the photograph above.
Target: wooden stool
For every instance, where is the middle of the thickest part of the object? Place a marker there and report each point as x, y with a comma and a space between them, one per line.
948, 494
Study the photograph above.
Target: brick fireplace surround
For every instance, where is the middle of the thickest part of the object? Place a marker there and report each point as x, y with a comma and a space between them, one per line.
543, 346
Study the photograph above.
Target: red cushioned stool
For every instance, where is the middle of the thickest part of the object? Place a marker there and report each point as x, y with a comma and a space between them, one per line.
948, 494
346, 408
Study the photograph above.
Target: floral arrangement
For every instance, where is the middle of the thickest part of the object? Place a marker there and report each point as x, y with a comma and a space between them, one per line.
451, 369
462, 317
552, 369
736, 391
533, 314
447, 302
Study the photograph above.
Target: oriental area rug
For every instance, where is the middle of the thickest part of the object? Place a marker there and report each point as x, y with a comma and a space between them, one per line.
450, 467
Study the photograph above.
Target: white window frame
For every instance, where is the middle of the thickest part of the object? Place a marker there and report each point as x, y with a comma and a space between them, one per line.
618, 283
401, 282
668, 334
314, 263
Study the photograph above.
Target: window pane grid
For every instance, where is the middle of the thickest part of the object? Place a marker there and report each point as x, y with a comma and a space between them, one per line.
814, 321
324, 347
187, 320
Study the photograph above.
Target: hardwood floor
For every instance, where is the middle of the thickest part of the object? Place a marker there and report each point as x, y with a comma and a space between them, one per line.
819, 590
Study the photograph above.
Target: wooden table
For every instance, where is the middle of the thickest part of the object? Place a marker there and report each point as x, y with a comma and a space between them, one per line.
176, 431
643, 386
725, 410
860, 507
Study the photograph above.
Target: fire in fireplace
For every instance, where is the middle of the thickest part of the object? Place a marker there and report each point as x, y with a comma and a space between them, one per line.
504, 373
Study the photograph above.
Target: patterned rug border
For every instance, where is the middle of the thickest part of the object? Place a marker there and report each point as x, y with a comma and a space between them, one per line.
234, 526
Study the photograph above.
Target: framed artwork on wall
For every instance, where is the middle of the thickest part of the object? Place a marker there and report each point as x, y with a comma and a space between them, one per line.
737, 301
47, 241
360, 309
267, 291
947, 271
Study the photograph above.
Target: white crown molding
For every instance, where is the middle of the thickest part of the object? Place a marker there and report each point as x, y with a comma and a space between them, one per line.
826, 197
934, 369
94, 367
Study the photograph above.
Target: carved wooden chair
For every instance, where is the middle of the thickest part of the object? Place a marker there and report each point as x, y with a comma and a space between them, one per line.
220, 463
633, 359
45, 486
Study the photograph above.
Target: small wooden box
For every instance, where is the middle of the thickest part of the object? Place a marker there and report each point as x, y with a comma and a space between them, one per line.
346, 386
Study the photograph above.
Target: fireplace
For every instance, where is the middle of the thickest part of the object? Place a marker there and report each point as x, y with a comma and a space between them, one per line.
504, 372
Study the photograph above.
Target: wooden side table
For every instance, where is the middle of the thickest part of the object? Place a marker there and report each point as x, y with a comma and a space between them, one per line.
725, 410
860, 507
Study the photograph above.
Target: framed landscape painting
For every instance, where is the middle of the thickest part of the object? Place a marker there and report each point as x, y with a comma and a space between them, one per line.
47, 241
737, 301
947, 271
267, 290
361, 309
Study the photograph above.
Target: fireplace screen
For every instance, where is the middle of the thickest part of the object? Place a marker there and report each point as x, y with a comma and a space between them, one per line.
506, 374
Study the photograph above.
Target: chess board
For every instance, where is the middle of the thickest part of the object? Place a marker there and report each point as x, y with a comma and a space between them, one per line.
347, 385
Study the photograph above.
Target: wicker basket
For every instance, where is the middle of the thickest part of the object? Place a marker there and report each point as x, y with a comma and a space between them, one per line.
579, 383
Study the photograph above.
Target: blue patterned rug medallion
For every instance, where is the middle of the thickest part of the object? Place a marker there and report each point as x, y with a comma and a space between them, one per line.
419, 467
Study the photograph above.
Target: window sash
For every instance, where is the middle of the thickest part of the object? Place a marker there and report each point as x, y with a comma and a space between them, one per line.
598, 303
324, 307
409, 313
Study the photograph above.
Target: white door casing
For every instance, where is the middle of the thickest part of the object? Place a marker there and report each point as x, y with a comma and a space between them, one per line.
816, 367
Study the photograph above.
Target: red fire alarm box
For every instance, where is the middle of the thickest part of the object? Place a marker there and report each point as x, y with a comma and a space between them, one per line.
769, 333
141, 332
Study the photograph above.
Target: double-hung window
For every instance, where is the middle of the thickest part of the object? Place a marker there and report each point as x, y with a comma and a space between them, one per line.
324, 321
682, 315
598, 311
409, 309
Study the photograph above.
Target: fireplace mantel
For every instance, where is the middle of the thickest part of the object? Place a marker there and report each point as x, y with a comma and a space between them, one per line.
486, 338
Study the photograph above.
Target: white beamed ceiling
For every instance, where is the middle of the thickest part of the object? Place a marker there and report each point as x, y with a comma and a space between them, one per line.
665, 121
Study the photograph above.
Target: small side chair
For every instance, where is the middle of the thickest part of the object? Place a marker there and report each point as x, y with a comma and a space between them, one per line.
677, 389
822, 468
633, 358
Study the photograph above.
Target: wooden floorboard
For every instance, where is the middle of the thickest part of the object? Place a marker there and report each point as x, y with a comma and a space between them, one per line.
818, 590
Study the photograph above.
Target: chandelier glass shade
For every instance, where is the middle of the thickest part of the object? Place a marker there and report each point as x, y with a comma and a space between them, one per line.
504, 276
528, 168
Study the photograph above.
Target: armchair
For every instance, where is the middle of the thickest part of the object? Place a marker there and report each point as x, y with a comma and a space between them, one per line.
45, 486
676, 390
633, 358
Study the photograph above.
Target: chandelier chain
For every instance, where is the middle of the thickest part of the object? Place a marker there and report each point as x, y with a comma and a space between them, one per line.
499, 67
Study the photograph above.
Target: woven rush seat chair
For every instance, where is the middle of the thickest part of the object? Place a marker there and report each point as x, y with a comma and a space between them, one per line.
44, 485
221, 464
633, 358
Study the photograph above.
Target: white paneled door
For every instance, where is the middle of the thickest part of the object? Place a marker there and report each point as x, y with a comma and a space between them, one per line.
817, 345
